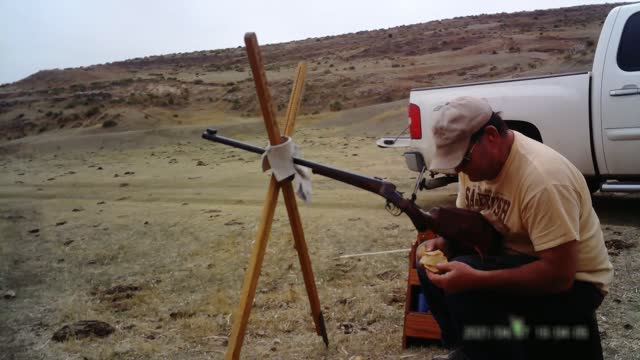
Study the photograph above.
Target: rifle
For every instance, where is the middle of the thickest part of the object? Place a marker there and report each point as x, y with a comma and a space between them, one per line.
465, 231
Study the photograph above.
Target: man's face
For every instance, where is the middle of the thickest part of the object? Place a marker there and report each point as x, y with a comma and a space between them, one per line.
480, 162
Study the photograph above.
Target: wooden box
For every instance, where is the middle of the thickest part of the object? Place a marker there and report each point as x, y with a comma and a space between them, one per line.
417, 325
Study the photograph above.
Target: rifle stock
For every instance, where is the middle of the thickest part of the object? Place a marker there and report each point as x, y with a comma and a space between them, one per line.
466, 231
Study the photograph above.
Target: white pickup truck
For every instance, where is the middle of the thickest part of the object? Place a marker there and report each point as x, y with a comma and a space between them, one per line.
592, 118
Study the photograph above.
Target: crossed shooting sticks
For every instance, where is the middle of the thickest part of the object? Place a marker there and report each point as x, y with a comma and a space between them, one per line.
255, 263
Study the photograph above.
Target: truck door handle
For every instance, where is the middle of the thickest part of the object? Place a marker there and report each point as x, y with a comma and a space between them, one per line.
624, 91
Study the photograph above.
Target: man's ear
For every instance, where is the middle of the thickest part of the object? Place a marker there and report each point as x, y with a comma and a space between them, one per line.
492, 133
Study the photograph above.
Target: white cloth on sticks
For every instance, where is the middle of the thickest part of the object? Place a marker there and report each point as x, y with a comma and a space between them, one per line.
279, 158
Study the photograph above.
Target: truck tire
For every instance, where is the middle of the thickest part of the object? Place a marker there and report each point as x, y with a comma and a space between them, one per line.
593, 184
525, 128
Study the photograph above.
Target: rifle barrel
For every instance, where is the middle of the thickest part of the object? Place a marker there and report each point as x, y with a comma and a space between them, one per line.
211, 134
364, 182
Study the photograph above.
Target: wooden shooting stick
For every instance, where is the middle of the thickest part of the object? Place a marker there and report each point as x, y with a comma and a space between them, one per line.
255, 263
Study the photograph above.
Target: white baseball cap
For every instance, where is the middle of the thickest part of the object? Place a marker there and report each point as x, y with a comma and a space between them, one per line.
455, 122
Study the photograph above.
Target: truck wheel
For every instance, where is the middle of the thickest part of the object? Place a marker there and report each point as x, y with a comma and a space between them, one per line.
525, 128
593, 184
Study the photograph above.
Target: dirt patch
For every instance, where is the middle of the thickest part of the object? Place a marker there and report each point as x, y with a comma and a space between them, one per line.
83, 329
614, 246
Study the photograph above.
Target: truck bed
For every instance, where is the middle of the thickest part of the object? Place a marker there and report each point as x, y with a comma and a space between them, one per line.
557, 105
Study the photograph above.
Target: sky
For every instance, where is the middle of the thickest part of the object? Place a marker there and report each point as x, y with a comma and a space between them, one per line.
46, 34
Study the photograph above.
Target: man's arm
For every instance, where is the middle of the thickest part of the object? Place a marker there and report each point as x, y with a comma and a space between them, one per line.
554, 272
552, 218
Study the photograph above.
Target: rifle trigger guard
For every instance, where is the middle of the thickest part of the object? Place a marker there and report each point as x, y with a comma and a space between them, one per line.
392, 209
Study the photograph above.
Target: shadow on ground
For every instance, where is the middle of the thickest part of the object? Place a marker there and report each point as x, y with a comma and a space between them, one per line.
618, 209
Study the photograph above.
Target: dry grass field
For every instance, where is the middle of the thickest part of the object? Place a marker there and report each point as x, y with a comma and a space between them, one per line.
151, 231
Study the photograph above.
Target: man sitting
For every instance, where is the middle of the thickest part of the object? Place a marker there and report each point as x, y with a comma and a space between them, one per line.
537, 298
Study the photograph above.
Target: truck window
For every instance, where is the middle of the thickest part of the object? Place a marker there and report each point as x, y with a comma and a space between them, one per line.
628, 50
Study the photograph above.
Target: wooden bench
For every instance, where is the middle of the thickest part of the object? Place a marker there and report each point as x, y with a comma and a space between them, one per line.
417, 325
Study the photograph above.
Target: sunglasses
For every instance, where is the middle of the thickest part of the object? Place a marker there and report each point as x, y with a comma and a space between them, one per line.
467, 156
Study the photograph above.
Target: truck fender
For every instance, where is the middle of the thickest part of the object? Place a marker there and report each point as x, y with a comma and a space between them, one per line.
525, 128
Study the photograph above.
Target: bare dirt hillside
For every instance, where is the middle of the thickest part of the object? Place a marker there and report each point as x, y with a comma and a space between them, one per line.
345, 71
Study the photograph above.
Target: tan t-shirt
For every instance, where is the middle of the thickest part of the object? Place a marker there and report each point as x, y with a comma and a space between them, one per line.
543, 201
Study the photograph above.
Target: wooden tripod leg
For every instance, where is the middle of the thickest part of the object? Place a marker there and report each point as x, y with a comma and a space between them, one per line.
294, 215
241, 317
295, 98
262, 89
305, 260
264, 97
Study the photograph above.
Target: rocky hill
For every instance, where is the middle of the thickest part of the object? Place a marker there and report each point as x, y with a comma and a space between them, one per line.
345, 71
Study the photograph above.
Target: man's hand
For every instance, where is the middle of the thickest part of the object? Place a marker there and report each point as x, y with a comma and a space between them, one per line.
457, 277
437, 243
